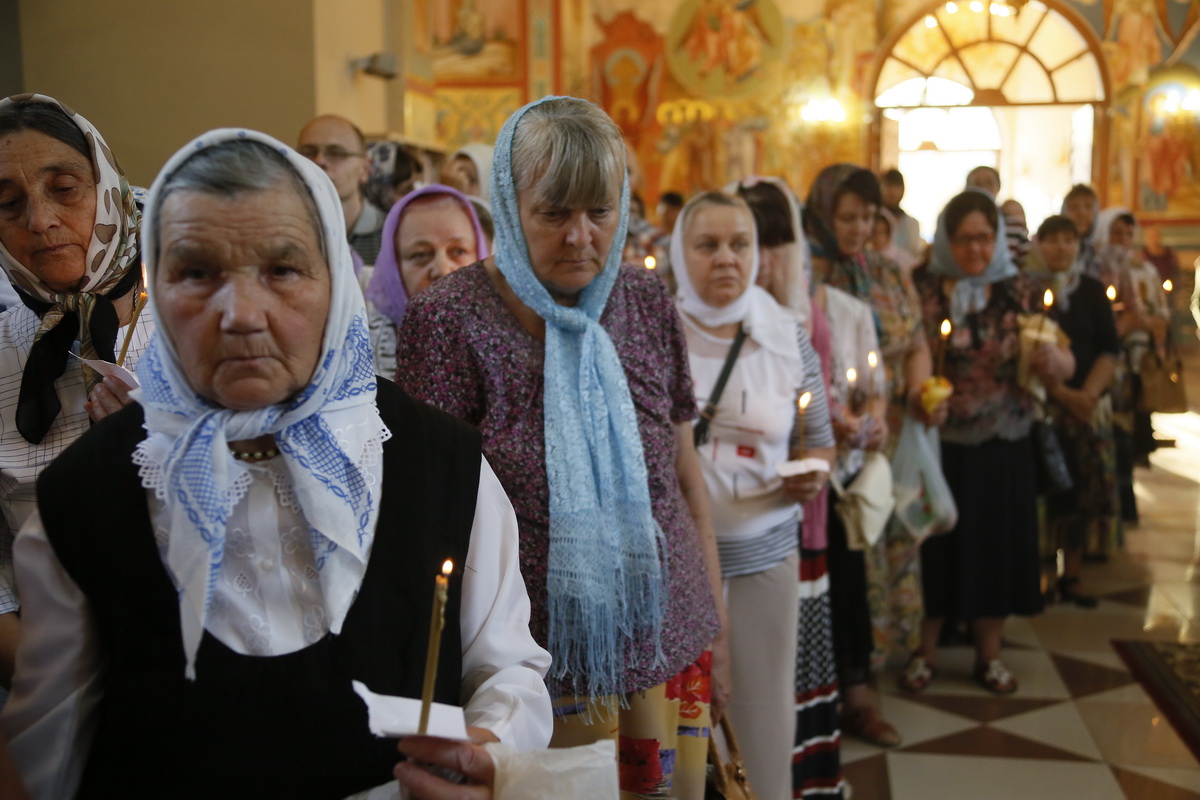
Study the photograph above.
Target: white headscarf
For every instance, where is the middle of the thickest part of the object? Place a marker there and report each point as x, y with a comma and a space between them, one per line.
325, 435
481, 156
763, 319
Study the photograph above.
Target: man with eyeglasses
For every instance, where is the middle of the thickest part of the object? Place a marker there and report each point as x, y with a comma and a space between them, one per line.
336, 145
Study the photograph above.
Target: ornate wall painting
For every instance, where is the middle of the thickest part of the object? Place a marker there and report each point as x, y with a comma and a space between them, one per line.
627, 69
474, 115
725, 48
479, 41
1169, 146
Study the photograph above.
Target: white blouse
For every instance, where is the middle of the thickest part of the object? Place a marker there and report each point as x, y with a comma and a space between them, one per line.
267, 602
20, 461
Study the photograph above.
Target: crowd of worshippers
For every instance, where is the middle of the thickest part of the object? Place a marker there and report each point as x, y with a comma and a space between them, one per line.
246, 416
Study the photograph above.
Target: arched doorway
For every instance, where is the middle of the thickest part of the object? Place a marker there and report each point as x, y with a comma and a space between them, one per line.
970, 82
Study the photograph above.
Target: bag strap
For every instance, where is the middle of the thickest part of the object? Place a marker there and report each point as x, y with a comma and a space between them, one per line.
700, 432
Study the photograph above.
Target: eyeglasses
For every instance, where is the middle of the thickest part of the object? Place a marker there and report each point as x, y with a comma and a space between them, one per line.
332, 152
978, 239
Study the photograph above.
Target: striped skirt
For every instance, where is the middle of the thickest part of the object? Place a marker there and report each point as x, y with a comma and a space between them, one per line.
816, 755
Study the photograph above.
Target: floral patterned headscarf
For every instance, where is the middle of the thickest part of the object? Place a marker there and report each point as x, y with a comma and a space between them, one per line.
86, 312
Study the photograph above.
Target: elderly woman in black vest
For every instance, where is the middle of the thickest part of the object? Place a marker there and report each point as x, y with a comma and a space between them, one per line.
267, 531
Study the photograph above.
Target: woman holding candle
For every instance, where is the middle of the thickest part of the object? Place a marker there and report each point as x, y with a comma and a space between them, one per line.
986, 568
839, 217
1085, 517
69, 243
574, 368
756, 513
427, 235
270, 524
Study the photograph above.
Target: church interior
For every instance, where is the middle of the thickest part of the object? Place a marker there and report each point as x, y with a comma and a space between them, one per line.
1048, 93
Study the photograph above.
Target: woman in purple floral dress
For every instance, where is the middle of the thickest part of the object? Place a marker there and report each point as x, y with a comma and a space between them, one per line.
575, 369
987, 567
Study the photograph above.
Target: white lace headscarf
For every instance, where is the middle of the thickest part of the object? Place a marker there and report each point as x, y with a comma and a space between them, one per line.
326, 435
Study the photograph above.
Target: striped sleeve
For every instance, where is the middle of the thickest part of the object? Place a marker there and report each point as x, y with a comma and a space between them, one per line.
818, 430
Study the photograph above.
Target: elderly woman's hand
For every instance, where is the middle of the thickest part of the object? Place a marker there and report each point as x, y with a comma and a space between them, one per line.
917, 409
1052, 364
465, 758
109, 397
803, 488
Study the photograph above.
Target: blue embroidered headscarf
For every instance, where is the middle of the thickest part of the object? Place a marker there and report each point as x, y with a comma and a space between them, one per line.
325, 434
606, 576
970, 292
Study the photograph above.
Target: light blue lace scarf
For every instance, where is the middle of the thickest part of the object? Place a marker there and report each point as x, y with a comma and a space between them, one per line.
606, 575
324, 434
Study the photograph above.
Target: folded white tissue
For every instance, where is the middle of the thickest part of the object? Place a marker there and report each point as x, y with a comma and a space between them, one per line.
570, 772
803, 466
401, 716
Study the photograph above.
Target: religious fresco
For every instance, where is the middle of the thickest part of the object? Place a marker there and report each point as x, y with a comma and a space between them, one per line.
725, 48
473, 115
479, 41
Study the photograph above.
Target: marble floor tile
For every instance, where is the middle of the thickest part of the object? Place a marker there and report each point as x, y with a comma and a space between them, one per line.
993, 742
916, 776
1183, 778
1130, 734
1059, 725
1138, 785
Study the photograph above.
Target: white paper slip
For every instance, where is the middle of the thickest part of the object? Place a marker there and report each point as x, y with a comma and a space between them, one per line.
787, 469
109, 369
401, 716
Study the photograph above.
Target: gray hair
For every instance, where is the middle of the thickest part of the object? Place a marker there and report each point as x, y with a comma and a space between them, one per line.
571, 152
234, 168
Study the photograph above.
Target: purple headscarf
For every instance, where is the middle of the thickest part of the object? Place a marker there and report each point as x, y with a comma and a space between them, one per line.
386, 291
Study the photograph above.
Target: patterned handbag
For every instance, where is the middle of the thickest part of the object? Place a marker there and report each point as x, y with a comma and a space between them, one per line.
727, 780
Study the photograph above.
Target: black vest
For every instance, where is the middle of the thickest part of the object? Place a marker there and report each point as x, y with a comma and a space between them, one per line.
283, 726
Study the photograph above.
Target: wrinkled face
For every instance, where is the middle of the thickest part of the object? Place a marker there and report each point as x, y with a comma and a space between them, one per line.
853, 219
718, 244
333, 146
460, 173
243, 292
434, 238
1081, 209
973, 243
1121, 235
1059, 250
567, 246
47, 207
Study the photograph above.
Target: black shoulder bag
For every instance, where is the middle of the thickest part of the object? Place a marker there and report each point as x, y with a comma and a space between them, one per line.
700, 432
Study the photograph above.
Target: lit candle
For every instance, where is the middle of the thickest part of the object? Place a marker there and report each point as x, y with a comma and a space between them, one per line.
851, 380
1047, 301
946, 328
801, 407
872, 363
138, 305
437, 621
1167, 285
1111, 293
651, 262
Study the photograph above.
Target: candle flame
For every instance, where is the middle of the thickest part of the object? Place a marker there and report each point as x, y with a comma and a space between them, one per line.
447, 567
1167, 285
872, 359
145, 278
851, 375
1048, 299
805, 399
651, 262
1111, 292
946, 328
